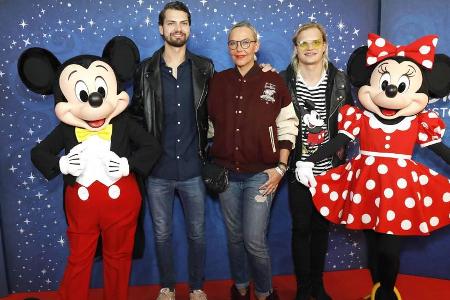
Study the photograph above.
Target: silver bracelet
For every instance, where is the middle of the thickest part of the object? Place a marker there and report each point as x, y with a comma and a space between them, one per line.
278, 169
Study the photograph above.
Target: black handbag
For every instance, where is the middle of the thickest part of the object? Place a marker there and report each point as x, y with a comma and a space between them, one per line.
215, 177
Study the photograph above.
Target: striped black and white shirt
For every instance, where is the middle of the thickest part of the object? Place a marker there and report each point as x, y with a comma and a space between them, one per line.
314, 133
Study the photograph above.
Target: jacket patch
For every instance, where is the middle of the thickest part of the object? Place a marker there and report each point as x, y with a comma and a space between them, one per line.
269, 92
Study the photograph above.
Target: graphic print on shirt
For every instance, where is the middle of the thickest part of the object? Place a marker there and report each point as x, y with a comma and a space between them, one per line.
269, 92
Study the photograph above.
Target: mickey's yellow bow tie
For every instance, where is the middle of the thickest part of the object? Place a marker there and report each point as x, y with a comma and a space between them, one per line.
83, 134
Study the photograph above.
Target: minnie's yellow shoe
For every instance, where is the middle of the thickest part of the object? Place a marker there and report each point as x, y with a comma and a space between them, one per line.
374, 291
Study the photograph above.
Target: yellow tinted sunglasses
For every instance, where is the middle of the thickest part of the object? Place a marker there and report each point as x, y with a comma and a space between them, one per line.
315, 44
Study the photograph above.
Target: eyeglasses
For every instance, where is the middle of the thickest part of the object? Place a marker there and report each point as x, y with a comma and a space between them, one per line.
244, 44
315, 44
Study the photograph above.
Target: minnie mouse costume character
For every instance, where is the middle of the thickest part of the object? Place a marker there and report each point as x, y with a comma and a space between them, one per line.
103, 149
382, 190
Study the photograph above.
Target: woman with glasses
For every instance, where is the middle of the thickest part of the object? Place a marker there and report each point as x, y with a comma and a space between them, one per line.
255, 127
318, 90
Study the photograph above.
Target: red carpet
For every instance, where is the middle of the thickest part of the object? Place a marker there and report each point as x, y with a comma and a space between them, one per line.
342, 285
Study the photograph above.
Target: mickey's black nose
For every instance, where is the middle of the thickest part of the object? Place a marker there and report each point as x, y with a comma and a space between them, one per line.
95, 99
391, 91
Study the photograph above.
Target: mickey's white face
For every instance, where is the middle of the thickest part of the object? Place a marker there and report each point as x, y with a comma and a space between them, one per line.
92, 99
393, 90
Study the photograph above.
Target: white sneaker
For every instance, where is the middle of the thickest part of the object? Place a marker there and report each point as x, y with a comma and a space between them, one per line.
166, 294
197, 295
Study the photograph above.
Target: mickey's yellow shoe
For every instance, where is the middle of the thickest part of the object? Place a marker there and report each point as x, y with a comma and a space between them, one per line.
374, 291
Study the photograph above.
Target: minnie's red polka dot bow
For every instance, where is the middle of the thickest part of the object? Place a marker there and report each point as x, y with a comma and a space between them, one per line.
421, 50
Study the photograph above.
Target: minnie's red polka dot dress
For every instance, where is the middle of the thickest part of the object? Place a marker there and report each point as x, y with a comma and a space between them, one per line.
382, 188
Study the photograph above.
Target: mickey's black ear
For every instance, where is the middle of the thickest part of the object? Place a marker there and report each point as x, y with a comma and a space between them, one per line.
123, 55
439, 77
357, 70
37, 69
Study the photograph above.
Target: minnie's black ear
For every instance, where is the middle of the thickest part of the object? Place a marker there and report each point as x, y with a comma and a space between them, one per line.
123, 55
37, 69
357, 70
438, 77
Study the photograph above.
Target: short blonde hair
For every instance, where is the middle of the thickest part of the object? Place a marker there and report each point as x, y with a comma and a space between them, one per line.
245, 24
294, 59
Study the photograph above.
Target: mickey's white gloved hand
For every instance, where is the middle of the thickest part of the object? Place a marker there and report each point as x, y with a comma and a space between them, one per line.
116, 166
304, 173
74, 162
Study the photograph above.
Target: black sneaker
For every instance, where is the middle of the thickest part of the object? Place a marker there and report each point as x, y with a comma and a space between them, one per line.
273, 295
235, 295
303, 293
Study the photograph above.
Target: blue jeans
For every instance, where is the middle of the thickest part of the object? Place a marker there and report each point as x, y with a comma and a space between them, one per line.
161, 194
246, 213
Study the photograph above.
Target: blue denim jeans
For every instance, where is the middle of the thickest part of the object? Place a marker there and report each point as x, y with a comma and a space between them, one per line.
246, 213
161, 195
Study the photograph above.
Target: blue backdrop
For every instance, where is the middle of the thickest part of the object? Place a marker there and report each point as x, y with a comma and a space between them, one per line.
33, 243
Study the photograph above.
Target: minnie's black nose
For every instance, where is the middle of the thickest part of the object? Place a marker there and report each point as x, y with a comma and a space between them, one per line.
95, 99
391, 91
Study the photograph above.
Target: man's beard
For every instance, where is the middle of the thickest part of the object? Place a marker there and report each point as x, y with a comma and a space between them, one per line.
176, 42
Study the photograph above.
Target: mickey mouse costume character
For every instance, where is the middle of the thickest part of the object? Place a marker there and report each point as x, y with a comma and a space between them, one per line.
103, 149
382, 190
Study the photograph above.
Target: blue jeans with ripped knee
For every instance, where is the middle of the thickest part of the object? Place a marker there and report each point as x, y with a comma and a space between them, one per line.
246, 213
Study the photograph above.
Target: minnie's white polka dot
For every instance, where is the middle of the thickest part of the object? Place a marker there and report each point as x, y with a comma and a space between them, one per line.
427, 63
380, 42
350, 111
348, 167
401, 162
423, 227
382, 53
339, 117
419, 196
434, 41
406, 224
432, 115
401, 183
423, 179
427, 201
423, 137
434, 221
340, 213
388, 193
358, 172
424, 49
446, 197
347, 125
401, 53
382, 169
369, 160
409, 202
414, 176
377, 202
356, 131
324, 211
344, 194
433, 172
335, 176
325, 188
366, 218
350, 219
350, 176
370, 184
334, 196
358, 157
390, 215
377, 222
389, 232
371, 60
358, 116
356, 198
